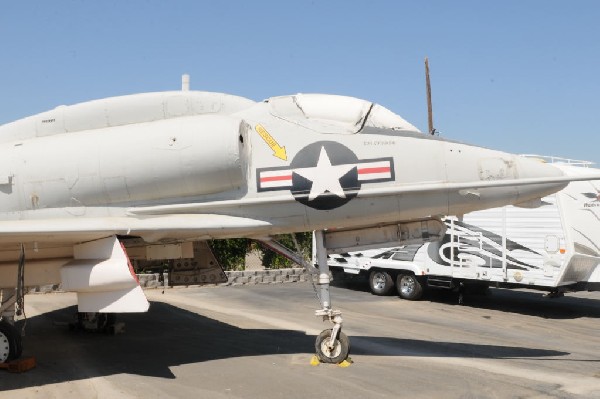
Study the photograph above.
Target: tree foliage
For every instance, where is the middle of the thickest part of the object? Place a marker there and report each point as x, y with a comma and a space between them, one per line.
231, 253
273, 260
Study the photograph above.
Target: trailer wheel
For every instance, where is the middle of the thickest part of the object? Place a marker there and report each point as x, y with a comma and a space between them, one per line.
10, 342
381, 282
409, 287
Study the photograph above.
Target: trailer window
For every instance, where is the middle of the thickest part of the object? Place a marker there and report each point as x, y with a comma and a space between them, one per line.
383, 255
400, 255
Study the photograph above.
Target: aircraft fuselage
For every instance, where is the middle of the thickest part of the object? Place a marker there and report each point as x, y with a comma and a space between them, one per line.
268, 162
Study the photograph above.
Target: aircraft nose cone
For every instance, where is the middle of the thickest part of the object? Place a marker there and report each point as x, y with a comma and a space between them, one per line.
535, 168
514, 180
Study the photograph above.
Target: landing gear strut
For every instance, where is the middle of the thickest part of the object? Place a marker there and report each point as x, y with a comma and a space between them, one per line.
11, 304
332, 345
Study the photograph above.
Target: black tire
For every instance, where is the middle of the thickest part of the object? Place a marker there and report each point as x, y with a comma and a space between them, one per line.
380, 282
409, 287
96, 322
340, 349
10, 342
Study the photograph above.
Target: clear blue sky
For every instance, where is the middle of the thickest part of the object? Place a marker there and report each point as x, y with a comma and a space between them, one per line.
521, 76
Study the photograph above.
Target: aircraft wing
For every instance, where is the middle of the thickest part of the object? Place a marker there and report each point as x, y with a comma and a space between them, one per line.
463, 188
85, 255
204, 221
82, 229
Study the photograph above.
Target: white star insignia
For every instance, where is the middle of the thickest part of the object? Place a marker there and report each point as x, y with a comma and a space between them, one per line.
325, 177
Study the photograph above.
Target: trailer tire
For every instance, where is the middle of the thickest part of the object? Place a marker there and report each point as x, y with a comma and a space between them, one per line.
409, 287
10, 342
380, 282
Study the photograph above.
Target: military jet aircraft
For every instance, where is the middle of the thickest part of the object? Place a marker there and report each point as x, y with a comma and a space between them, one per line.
83, 186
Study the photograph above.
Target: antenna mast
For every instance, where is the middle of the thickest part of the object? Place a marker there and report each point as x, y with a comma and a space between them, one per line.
429, 106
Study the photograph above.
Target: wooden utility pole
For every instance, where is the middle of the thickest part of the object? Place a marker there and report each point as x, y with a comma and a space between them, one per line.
429, 106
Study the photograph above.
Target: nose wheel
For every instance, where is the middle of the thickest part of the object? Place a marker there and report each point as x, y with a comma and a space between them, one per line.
332, 349
332, 345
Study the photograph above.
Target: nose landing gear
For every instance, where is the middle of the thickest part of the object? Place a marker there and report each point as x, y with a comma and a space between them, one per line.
332, 345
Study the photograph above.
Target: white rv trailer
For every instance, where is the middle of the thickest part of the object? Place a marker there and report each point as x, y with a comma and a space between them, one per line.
552, 246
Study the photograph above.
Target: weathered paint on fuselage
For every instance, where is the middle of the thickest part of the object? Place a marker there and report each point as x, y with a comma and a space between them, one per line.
209, 157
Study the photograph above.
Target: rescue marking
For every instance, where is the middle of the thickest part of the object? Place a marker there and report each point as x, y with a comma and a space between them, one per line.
278, 151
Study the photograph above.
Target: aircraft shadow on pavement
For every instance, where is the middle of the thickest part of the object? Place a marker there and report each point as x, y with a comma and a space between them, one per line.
529, 303
168, 336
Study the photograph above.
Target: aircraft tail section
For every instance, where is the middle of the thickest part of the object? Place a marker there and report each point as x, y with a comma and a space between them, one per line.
103, 278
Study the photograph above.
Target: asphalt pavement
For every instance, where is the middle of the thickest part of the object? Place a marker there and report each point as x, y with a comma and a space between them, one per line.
257, 342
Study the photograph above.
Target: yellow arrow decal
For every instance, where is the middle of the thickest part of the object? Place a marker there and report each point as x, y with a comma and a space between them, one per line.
278, 150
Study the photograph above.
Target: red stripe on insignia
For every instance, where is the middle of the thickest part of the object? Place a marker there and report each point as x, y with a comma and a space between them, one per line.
275, 178
375, 170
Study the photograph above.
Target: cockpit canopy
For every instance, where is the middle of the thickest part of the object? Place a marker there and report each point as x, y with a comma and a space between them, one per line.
327, 113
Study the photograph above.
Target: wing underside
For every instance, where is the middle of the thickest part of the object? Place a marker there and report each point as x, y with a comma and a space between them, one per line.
85, 255
151, 228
